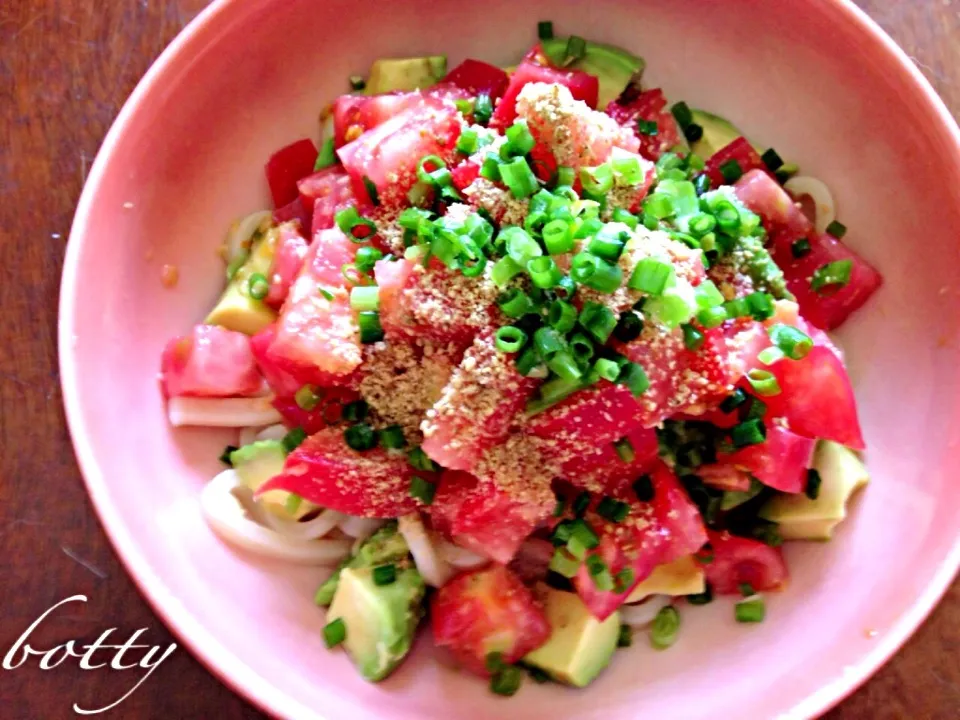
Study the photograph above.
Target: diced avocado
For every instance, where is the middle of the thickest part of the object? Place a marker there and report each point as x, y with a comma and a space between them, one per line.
236, 310
612, 66
735, 498
386, 545
389, 74
842, 473
380, 619
258, 462
580, 646
680, 577
717, 133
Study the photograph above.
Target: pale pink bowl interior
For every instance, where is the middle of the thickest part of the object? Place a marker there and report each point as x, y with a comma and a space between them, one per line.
185, 158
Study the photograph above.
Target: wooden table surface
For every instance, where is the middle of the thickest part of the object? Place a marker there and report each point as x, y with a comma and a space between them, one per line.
66, 66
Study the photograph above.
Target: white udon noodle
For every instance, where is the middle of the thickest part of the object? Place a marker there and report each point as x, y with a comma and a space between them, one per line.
433, 568
241, 233
222, 412
816, 190
643, 613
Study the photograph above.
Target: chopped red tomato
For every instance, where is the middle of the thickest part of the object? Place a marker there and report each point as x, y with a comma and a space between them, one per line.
651, 106
677, 515
724, 477
487, 611
478, 77
288, 165
477, 406
830, 306
292, 211
606, 470
464, 174
782, 218
817, 398
481, 517
288, 259
745, 156
780, 462
387, 156
736, 561
591, 418
209, 362
326, 471
581, 85
353, 115
317, 327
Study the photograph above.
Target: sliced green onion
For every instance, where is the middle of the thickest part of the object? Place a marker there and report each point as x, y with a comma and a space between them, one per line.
292, 440
595, 272
625, 636
693, 132
384, 574
763, 382
647, 127
771, 158
627, 169
565, 176
701, 184
392, 437
490, 169
800, 248
582, 348
598, 320
795, 344
307, 398
371, 189
712, 317
727, 215
658, 206
545, 30
353, 226
510, 339
751, 610
465, 107
515, 303
760, 305
225, 455
507, 681
360, 437
564, 366
749, 432
355, 411
519, 139
326, 157
576, 49
544, 272
651, 276
334, 633
427, 166
468, 142
422, 490
612, 509
548, 342
643, 488
828, 279
564, 563
370, 328
682, 113
665, 628
693, 339
357, 82
627, 218
702, 223
519, 178
482, 108
629, 327
597, 180
504, 270
366, 258
704, 598
608, 243
735, 400
527, 361
675, 306
599, 573
731, 171
419, 460
606, 369
635, 378
520, 245
707, 295
258, 286
836, 229
736, 308
814, 481
365, 298
562, 316
557, 236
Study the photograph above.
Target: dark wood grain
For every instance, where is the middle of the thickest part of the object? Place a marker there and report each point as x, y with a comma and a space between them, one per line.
65, 68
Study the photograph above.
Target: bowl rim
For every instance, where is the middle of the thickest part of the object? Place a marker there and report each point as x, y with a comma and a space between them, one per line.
220, 662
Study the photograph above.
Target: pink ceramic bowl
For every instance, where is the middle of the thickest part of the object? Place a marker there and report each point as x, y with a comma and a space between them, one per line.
814, 77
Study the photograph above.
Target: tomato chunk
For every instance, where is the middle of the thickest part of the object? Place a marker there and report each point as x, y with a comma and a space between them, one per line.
740, 561
209, 362
387, 156
581, 85
782, 218
326, 471
745, 156
323, 194
477, 406
292, 211
780, 462
487, 611
604, 470
478, 77
288, 165
590, 418
481, 517
676, 514
288, 260
651, 106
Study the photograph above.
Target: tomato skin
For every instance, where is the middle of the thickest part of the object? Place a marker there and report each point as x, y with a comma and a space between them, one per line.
676, 514
738, 560
650, 105
388, 154
209, 362
325, 471
478, 515
288, 260
780, 462
477, 77
581, 85
288, 165
486, 611
740, 150
603, 468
